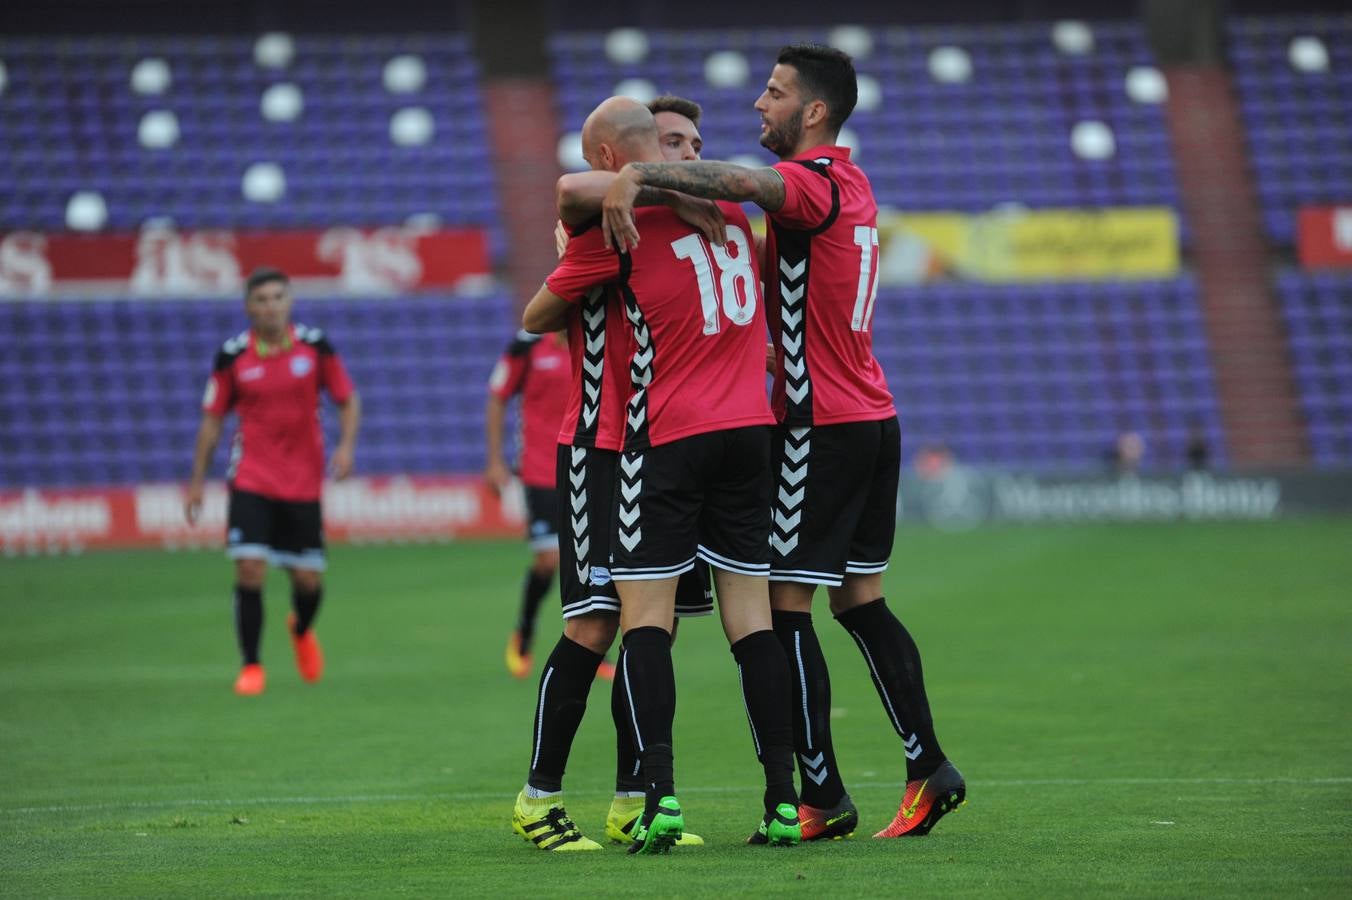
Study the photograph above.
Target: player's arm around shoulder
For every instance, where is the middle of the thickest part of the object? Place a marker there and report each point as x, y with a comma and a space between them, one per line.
545, 312
699, 178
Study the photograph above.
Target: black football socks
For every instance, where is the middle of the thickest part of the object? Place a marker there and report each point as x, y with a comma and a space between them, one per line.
651, 683
894, 661
533, 590
306, 607
564, 684
811, 690
628, 774
764, 676
248, 622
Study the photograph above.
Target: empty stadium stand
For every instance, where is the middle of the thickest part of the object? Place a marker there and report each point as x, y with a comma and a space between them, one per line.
107, 392
366, 130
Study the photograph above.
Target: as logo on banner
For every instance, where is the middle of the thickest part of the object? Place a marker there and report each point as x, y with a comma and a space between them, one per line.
201, 262
380, 260
24, 268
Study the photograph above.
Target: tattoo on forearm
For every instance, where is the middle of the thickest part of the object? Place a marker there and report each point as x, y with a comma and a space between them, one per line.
652, 196
716, 181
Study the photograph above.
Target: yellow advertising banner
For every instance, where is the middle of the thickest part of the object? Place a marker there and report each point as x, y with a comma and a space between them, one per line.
1029, 245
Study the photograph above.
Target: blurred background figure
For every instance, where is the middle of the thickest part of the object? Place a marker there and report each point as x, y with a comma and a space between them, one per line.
1127, 453
271, 377
933, 461
534, 368
1197, 451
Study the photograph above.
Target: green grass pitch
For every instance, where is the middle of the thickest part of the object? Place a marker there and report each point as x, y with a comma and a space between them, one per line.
1139, 711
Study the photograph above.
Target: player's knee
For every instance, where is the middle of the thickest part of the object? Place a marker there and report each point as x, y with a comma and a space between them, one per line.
856, 590
791, 596
307, 581
546, 562
595, 631
250, 573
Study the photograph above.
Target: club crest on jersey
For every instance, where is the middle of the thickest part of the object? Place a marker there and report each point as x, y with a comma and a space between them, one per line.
301, 366
600, 576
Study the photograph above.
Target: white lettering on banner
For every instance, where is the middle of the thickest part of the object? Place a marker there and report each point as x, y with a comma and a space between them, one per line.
24, 268
385, 259
1196, 497
201, 262
159, 509
34, 518
1342, 228
360, 505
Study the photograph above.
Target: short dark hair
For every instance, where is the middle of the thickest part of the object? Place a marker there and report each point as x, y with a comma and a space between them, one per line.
263, 276
678, 105
826, 74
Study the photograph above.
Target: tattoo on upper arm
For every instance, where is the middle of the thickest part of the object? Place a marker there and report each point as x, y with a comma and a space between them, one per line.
771, 194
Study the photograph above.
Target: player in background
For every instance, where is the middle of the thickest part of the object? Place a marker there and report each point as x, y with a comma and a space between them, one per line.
837, 451
271, 376
693, 478
535, 368
588, 442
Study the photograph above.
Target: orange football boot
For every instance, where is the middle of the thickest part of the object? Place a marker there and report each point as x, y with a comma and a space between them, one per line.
926, 801
251, 681
309, 658
828, 824
518, 663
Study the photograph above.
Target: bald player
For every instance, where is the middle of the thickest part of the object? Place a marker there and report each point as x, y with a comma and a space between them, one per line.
693, 480
586, 476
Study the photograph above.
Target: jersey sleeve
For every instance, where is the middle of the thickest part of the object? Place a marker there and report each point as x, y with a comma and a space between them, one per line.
509, 374
586, 263
810, 196
220, 393
333, 374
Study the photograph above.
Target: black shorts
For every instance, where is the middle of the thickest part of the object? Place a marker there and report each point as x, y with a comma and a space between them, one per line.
542, 515
835, 504
703, 497
283, 532
586, 479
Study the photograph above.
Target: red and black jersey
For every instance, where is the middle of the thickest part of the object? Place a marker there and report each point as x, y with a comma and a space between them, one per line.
536, 367
696, 324
597, 342
823, 243
274, 389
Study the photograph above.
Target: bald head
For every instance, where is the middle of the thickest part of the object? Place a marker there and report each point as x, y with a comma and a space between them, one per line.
621, 130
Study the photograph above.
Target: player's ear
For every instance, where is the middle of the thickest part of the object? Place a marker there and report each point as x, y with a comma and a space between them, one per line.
815, 114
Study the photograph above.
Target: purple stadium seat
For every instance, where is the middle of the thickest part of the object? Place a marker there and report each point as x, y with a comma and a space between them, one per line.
86, 361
